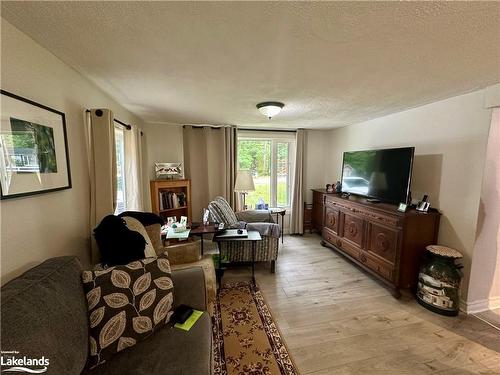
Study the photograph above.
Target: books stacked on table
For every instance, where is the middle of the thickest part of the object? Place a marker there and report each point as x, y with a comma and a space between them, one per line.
172, 199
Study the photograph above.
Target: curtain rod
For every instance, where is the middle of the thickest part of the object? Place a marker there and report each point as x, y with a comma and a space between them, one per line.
245, 129
126, 126
269, 130
206, 126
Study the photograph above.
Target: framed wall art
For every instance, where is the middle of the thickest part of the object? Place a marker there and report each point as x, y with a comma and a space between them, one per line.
34, 155
167, 170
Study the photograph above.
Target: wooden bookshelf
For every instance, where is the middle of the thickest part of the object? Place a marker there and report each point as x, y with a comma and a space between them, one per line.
175, 186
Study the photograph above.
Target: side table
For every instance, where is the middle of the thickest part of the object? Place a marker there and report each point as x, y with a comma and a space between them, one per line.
253, 237
202, 230
279, 212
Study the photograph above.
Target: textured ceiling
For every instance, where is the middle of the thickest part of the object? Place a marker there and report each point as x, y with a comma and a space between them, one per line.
331, 63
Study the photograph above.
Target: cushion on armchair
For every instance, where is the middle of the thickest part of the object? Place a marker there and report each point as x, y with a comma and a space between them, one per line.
255, 216
221, 212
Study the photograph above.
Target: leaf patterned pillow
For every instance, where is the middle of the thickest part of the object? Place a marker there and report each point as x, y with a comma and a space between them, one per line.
126, 304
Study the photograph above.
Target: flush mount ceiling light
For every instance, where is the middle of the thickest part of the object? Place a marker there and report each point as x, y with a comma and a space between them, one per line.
270, 109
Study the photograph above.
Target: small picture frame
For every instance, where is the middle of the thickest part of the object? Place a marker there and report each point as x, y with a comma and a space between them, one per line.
402, 207
184, 221
171, 220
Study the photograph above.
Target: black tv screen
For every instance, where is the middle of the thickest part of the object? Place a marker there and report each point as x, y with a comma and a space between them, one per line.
380, 174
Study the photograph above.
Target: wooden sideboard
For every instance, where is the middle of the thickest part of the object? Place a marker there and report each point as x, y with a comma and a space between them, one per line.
317, 208
385, 242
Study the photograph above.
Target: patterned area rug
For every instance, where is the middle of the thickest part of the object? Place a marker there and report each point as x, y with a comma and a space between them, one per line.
246, 339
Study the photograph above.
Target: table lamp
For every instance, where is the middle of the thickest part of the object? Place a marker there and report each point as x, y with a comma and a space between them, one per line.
244, 184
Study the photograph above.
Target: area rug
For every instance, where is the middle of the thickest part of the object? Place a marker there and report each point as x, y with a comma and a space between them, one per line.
246, 340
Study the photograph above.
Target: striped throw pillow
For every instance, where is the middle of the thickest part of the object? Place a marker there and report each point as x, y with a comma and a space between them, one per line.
221, 212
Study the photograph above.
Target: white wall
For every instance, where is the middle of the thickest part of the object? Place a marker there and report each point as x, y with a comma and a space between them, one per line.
450, 144
42, 226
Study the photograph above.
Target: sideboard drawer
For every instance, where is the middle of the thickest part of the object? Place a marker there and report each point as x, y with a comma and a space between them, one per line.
329, 237
377, 265
340, 244
349, 248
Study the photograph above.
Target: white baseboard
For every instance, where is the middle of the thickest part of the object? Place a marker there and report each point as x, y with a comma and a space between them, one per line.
474, 307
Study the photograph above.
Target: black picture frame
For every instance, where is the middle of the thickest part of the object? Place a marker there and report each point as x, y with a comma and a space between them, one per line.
46, 126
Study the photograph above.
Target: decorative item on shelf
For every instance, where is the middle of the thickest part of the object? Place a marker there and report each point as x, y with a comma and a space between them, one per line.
244, 184
205, 216
329, 188
439, 280
338, 187
261, 205
33, 149
178, 228
168, 170
270, 109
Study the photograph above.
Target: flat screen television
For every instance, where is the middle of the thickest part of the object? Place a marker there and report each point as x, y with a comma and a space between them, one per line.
384, 175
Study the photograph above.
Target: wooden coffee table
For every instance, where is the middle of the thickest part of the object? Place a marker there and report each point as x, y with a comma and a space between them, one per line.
253, 237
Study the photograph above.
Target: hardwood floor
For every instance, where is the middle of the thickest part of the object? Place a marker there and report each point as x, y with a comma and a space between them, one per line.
336, 319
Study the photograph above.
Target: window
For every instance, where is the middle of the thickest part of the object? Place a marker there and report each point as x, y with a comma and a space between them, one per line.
120, 169
269, 156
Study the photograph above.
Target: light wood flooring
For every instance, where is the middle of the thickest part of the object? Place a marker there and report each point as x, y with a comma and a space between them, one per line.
336, 319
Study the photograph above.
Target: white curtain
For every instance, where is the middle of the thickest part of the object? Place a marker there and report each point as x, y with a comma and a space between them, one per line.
297, 214
210, 164
100, 132
134, 192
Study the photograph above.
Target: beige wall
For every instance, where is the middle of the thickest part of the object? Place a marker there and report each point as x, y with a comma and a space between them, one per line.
450, 144
318, 171
38, 227
162, 143
484, 287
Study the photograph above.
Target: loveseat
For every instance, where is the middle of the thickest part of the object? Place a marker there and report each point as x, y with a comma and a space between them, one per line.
44, 314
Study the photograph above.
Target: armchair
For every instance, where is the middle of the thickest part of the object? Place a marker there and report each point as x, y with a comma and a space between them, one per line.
259, 220
184, 255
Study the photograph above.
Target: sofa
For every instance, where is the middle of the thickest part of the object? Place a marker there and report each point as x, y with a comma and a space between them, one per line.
258, 220
44, 313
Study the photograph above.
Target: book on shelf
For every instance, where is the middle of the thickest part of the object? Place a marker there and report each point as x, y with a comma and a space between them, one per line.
170, 199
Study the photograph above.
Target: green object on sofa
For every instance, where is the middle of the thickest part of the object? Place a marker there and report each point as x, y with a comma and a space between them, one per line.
44, 313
